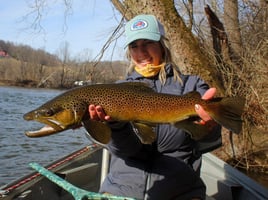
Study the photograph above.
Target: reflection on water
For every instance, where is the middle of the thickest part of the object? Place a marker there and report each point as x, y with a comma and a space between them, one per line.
16, 149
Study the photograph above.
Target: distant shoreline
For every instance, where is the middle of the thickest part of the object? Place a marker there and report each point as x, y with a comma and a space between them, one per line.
7, 83
24, 84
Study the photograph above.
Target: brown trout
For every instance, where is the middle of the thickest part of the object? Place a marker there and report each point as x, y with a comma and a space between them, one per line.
136, 103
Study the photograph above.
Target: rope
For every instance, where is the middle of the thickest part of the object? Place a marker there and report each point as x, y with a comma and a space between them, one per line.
77, 193
7, 190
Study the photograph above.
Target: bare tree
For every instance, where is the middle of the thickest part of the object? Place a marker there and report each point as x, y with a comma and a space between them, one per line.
184, 46
64, 55
232, 27
264, 14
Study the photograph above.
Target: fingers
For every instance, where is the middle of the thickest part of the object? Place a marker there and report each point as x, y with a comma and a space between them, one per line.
209, 94
205, 118
202, 113
97, 113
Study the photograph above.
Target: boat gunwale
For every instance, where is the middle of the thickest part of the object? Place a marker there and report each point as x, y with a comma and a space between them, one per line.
23, 183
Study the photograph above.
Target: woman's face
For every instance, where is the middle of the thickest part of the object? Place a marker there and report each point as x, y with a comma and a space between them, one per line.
145, 52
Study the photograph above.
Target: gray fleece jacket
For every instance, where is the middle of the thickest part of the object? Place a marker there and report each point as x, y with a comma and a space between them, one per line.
170, 167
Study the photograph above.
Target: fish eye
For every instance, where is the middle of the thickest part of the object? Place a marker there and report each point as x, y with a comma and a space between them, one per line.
47, 112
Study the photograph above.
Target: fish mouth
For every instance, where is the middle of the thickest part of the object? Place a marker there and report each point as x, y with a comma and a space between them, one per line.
51, 127
45, 131
54, 123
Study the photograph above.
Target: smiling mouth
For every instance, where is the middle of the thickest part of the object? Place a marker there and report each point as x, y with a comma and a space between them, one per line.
147, 62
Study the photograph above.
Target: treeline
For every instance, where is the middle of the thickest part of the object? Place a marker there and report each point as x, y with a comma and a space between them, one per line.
26, 53
25, 66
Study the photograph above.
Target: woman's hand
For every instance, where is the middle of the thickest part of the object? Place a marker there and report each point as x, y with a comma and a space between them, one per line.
97, 113
205, 118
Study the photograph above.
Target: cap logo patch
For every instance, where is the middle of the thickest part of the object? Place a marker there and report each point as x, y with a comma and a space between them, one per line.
140, 24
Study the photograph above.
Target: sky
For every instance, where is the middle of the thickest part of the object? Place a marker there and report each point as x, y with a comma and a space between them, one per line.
88, 26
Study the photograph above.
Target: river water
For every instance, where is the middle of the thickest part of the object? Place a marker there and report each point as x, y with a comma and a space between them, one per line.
18, 150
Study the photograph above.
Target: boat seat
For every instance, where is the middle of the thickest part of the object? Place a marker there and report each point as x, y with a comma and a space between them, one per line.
84, 176
224, 188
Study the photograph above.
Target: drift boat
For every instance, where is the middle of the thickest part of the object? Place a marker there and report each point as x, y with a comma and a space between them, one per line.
85, 169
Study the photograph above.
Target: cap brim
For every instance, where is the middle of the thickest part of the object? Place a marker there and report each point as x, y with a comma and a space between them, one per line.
138, 36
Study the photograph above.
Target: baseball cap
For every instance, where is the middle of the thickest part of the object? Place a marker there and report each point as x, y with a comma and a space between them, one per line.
143, 27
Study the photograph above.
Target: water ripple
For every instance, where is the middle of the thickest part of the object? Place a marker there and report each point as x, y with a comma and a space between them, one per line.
17, 150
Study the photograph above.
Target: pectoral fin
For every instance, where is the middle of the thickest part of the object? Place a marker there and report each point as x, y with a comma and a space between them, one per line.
145, 132
99, 131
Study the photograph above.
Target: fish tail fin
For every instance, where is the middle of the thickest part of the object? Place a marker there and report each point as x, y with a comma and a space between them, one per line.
227, 112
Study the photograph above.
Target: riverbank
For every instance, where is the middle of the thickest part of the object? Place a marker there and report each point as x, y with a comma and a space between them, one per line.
27, 84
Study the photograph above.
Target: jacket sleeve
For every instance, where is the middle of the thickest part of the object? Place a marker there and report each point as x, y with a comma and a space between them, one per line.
125, 143
195, 83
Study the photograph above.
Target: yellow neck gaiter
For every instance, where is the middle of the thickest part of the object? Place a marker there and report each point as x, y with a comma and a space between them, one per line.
149, 70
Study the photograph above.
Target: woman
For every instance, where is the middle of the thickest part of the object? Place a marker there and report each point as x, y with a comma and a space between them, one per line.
170, 167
